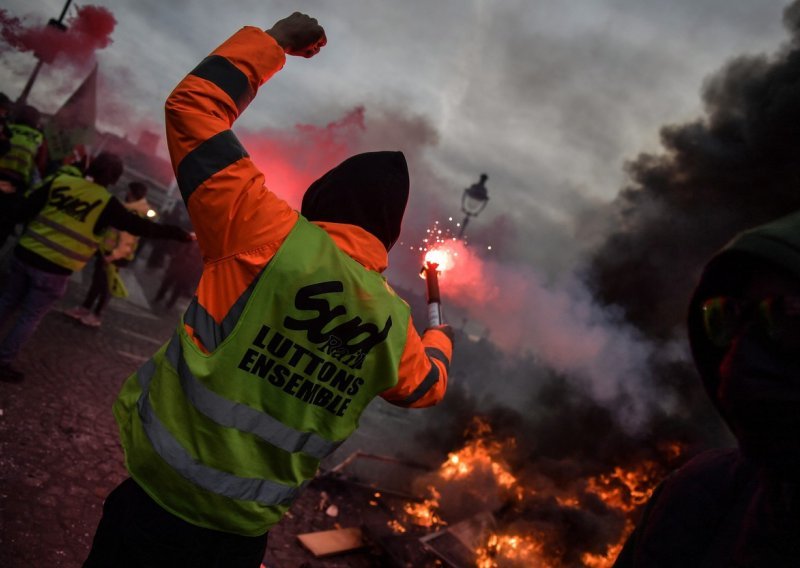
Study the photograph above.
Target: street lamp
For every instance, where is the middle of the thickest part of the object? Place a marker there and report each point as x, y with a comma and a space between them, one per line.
473, 201
57, 24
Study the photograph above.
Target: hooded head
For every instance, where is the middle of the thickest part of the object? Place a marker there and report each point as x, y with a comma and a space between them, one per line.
136, 191
28, 115
751, 368
105, 169
368, 190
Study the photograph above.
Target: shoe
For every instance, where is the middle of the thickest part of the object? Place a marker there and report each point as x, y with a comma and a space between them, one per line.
9, 374
91, 320
78, 312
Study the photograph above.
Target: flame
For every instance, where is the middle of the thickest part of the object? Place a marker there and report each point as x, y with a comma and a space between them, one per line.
511, 550
425, 514
606, 560
479, 454
396, 526
626, 489
484, 456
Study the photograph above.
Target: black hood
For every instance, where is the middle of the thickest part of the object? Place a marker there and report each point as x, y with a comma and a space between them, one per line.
776, 245
369, 190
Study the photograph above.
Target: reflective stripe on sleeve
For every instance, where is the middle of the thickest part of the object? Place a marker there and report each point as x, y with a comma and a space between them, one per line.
210, 333
426, 385
435, 353
227, 77
210, 157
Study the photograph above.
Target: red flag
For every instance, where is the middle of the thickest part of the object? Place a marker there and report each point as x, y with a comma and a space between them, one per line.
73, 123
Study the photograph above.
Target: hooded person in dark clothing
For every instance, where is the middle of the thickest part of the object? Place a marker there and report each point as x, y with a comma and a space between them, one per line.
739, 507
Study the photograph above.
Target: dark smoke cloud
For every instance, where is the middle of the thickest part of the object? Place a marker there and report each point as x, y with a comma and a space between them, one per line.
731, 169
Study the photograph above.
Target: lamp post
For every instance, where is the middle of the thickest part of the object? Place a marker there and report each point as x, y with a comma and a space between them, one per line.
473, 201
58, 24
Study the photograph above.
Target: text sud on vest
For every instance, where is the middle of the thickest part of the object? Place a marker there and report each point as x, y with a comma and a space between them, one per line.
71, 205
293, 366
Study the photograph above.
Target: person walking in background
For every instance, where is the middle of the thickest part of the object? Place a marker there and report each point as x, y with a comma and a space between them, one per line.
117, 249
67, 221
20, 166
291, 333
182, 274
739, 506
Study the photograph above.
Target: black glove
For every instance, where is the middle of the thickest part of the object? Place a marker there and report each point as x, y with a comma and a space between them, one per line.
176, 233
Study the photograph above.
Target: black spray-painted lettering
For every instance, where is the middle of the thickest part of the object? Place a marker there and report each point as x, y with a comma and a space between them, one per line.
71, 205
349, 341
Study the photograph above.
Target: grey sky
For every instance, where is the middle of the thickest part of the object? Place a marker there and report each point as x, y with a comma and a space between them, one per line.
548, 97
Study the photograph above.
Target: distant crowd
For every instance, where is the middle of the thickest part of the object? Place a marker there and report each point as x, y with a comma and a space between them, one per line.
61, 215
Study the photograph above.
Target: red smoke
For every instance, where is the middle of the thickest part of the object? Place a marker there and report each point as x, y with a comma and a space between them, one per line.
560, 324
292, 159
87, 31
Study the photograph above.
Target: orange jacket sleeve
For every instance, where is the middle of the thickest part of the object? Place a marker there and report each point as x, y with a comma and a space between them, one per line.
423, 370
240, 224
231, 209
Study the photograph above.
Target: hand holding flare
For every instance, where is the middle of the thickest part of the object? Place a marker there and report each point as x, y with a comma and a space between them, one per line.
434, 261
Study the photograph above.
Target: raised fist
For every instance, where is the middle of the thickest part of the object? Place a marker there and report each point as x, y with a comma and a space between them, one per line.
299, 34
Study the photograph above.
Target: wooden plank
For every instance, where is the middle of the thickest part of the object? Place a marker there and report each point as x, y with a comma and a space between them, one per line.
325, 543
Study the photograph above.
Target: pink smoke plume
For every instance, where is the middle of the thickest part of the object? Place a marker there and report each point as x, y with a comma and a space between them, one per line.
560, 325
87, 31
292, 159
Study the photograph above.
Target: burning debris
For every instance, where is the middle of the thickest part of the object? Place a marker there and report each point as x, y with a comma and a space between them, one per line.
483, 507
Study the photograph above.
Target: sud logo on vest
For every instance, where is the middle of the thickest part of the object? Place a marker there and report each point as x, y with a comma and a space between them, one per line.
72, 205
338, 341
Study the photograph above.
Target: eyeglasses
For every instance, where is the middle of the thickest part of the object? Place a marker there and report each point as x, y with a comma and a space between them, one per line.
776, 317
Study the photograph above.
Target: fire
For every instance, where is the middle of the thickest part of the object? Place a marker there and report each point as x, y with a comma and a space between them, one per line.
524, 538
425, 514
479, 454
626, 490
396, 526
511, 550
606, 560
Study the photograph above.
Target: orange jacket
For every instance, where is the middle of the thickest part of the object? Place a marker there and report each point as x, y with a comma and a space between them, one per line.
240, 223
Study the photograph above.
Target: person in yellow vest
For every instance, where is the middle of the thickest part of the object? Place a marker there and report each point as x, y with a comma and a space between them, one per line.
67, 221
291, 332
20, 165
117, 250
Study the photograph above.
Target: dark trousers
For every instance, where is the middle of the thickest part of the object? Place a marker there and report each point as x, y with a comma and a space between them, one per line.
33, 292
135, 532
98, 291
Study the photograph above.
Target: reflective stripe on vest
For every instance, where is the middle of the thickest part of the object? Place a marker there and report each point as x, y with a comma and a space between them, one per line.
261, 491
284, 385
25, 142
63, 232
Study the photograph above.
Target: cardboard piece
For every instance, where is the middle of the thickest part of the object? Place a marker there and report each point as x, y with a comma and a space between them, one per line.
326, 543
